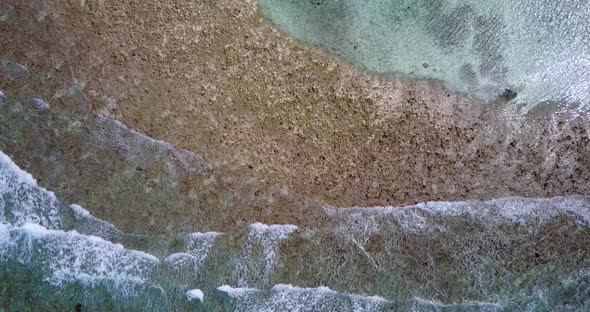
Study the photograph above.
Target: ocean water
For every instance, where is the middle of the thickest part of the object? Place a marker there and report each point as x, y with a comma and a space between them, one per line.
56, 257
508, 254
539, 50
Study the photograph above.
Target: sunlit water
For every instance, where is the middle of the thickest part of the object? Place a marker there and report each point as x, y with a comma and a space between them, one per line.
501, 255
538, 49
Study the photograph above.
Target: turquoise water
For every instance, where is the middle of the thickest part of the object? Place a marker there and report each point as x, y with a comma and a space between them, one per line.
539, 49
514, 254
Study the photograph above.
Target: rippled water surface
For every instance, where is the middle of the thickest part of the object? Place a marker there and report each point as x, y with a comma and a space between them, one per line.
60, 257
167, 230
538, 49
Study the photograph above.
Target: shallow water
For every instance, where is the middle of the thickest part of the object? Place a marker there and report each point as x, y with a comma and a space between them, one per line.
367, 254
538, 49
137, 251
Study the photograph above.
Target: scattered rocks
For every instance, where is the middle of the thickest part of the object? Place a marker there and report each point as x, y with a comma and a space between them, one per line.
508, 95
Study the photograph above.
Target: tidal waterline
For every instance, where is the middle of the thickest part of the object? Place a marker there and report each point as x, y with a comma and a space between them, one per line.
516, 254
538, 50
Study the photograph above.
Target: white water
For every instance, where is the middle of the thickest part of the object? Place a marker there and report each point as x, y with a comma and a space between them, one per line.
32, 236
195, 294
29, 203
261, 252
288, 298
196, 250
534, 212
